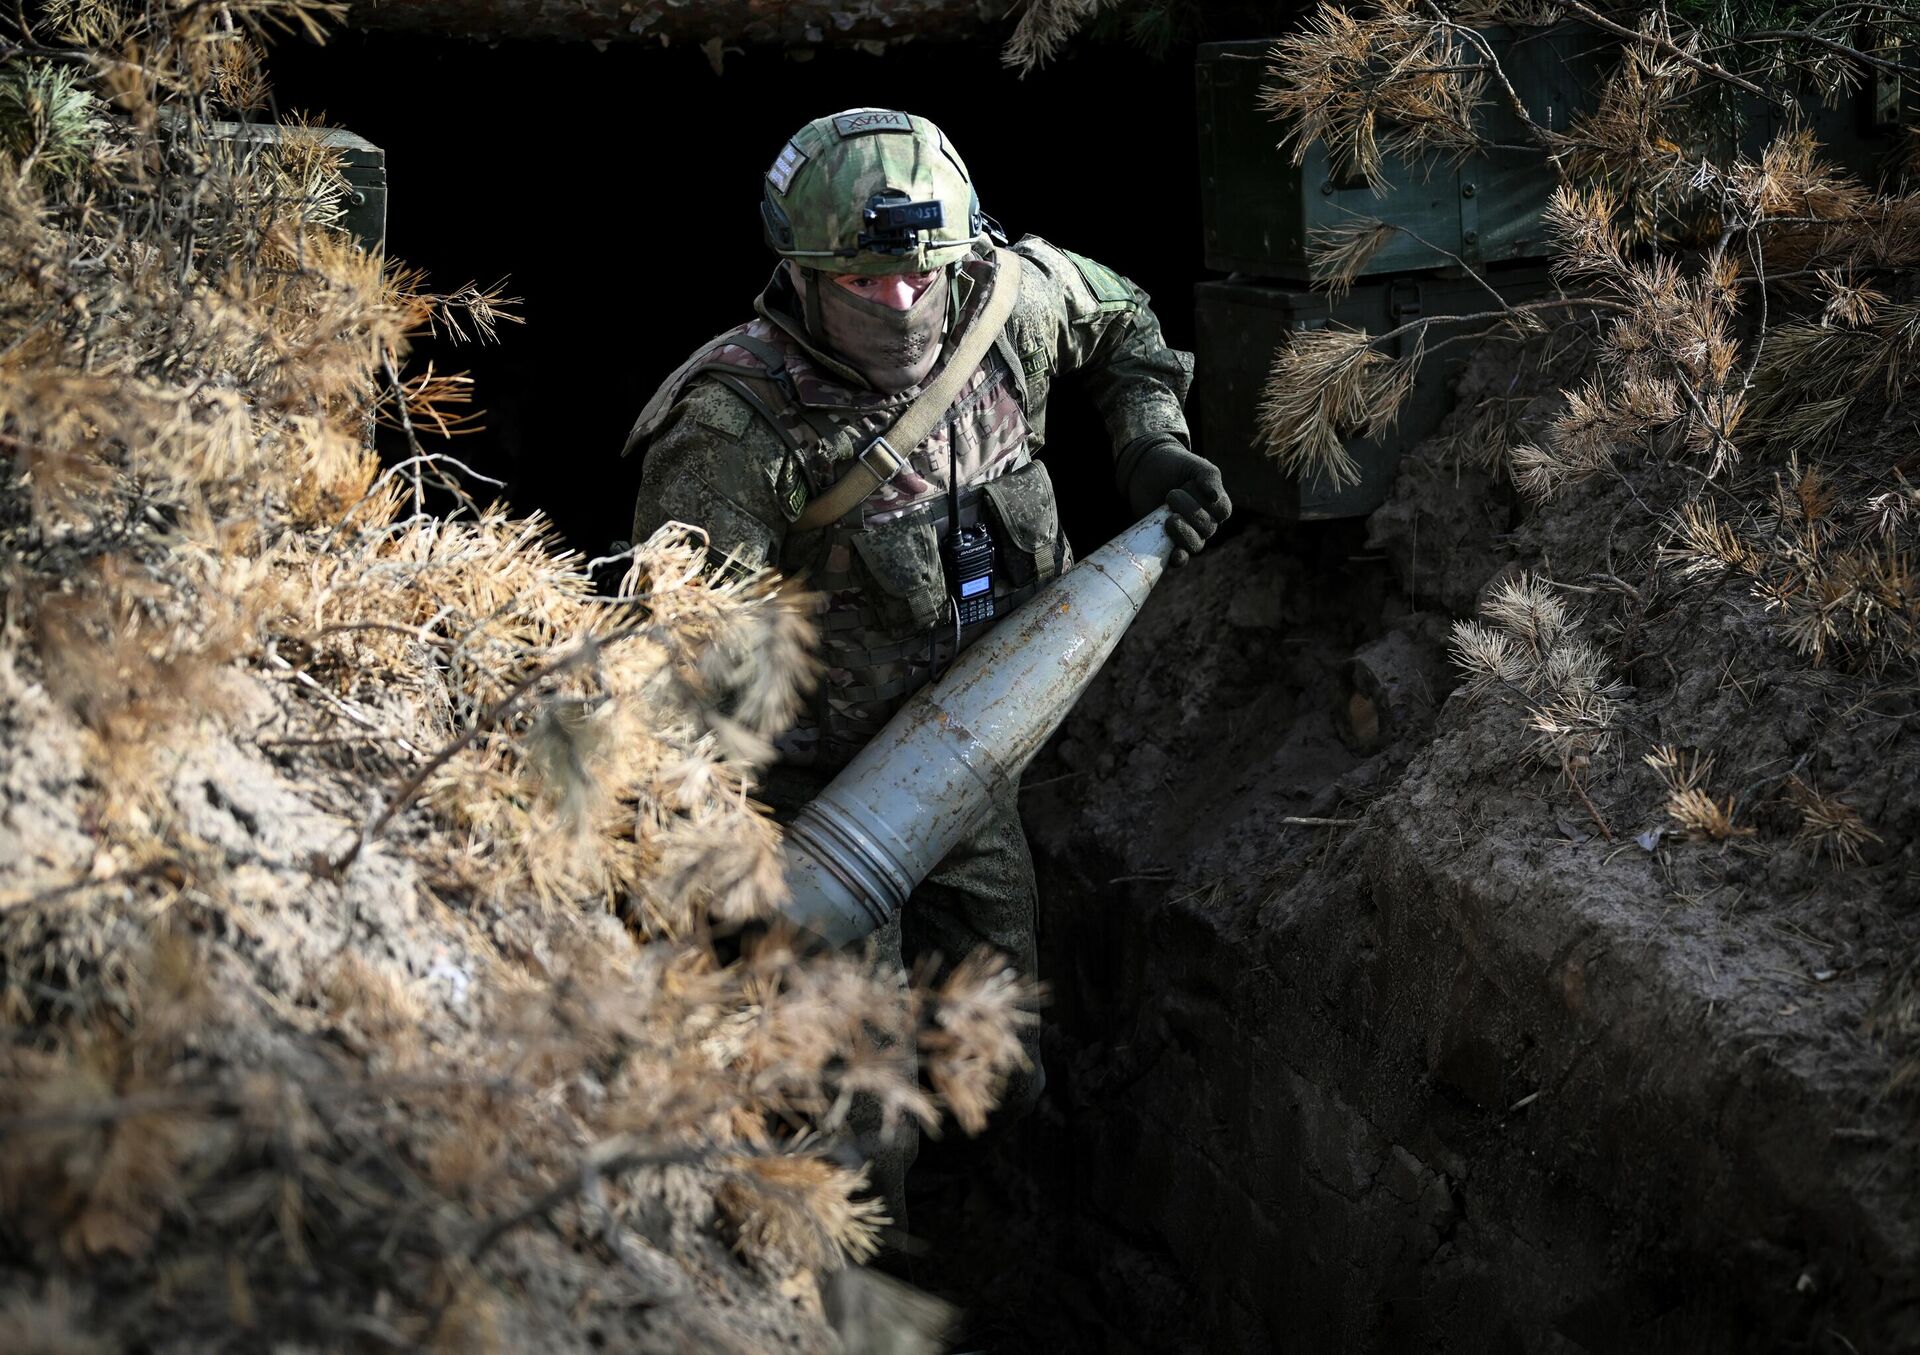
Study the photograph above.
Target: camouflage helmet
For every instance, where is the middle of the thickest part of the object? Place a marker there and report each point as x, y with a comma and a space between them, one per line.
870, 191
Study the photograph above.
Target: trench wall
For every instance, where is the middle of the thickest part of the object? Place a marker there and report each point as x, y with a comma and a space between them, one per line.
1427, 1081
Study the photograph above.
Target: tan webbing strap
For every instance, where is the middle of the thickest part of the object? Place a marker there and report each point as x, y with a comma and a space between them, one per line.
882, 458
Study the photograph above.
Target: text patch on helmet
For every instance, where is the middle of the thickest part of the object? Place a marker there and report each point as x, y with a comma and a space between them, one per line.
871, 120
784, 168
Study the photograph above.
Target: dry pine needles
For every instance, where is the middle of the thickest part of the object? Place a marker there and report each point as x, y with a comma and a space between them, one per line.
356, 934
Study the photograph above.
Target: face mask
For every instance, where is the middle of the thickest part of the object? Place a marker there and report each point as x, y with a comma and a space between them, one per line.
892, 349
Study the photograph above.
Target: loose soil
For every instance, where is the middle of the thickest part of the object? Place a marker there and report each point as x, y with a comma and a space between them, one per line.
1461, 1062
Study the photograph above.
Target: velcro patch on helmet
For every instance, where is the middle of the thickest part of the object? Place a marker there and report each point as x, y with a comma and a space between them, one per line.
865, 120
784, 168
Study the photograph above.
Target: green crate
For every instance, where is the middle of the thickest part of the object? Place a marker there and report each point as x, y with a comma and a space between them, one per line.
1861, 131
1240, 323
362, 163
1259, 210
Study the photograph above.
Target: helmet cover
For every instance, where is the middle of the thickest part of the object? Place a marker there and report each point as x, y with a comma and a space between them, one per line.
857, 192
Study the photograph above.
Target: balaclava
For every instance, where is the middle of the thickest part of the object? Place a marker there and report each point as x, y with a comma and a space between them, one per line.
893, 349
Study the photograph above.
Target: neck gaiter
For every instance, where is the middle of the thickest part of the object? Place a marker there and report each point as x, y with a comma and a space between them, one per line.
892, 349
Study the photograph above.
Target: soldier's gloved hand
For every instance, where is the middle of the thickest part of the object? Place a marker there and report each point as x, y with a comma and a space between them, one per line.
1163, 471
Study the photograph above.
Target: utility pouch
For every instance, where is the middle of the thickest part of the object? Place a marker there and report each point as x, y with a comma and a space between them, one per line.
901, 559
1021, 506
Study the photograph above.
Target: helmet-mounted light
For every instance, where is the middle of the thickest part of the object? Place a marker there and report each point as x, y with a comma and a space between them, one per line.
895, 225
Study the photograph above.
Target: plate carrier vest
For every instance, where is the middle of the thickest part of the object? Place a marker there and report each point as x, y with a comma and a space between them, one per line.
887, 625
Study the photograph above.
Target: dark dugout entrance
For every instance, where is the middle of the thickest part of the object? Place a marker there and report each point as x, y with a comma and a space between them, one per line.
618, 191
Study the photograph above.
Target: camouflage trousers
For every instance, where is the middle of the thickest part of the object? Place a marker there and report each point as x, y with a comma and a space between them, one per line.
981, 894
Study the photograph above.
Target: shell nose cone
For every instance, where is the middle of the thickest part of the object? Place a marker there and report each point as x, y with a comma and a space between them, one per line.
856, 852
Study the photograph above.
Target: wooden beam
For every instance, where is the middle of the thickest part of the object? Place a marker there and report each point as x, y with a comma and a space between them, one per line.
783, 23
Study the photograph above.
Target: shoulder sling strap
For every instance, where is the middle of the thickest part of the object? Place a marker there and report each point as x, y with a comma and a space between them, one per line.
882, 458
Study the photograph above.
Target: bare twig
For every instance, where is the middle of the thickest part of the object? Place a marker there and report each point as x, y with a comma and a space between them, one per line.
608, 1158
1838, 48
1672, 49
1573, 782
586, 650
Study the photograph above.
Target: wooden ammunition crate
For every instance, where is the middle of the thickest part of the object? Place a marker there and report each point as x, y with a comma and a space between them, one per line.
1241, 323
1259, 210
363, 164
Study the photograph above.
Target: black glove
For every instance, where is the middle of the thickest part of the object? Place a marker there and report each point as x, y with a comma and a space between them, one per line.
1162, 471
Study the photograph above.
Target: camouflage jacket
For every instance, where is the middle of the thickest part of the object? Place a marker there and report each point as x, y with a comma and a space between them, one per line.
759, 420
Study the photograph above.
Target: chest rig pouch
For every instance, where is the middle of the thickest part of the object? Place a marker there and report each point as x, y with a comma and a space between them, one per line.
894, 610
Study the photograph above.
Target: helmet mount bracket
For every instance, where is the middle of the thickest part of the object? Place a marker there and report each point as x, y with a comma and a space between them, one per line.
896, 225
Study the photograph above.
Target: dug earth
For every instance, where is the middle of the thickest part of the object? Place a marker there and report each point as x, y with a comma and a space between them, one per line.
1369, 1035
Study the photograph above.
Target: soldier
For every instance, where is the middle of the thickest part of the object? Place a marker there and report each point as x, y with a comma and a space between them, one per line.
874, 432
